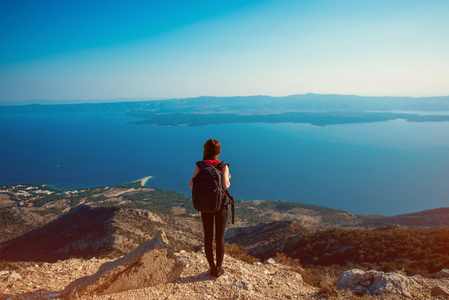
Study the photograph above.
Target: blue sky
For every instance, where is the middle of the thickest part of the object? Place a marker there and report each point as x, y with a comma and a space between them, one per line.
86, 50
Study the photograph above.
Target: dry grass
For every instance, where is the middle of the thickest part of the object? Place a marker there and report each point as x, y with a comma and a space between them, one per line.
238, 252
326, 282
308, 276
323, 278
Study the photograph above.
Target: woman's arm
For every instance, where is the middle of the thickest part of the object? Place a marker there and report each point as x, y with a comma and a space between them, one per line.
226, 177
195, 172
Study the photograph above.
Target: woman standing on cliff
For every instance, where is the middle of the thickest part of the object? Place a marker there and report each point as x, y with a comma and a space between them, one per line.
212, 149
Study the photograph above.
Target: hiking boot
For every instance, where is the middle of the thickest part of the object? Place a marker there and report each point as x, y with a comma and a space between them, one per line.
213, 272
220, 272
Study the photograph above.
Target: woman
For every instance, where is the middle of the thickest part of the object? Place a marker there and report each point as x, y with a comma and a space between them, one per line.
212, 150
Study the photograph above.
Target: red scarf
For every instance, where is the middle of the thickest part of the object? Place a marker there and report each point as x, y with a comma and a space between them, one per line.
212, 162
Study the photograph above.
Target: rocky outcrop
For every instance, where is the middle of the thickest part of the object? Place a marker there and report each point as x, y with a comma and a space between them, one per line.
10, 276
150, 264
148, 214
377, 283
240, 281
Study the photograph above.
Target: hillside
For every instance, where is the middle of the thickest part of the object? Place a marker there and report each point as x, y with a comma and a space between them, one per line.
86, 232
17, 221
73, 232
413, 251
108, 222
122, 217
433, 218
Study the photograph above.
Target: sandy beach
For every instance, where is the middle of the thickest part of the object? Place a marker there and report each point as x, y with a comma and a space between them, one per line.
144, 180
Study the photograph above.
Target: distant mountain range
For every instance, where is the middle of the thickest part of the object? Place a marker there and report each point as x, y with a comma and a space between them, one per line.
73, 101
424, 219
313, 109
249, 104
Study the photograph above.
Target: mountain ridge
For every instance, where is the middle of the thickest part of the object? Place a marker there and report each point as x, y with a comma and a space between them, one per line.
321, 102
314, 109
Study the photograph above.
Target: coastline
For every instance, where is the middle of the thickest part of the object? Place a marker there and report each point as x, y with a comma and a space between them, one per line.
144, 180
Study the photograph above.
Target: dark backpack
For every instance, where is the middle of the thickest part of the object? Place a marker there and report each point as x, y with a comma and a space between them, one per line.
208, 194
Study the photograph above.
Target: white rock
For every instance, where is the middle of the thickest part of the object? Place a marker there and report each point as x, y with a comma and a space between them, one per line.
350, 278
150, 264
54, 295
14, 276
4, 273
248, 286
376, 283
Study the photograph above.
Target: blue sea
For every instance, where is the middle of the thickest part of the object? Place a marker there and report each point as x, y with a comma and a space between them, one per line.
382, 168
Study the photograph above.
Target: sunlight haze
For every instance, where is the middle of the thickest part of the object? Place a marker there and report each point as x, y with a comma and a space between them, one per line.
88, 50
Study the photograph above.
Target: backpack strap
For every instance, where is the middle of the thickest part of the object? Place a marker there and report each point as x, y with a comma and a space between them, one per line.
231, 202
222, 165
201, 164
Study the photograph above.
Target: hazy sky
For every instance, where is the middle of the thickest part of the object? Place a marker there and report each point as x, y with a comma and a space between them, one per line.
165, 49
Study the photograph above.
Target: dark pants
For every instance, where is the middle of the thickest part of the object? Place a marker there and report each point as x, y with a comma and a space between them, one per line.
221, 218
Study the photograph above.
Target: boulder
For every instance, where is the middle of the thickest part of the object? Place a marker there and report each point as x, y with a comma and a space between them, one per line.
14, 276
152, 263
350, 278
376, 283
4, 274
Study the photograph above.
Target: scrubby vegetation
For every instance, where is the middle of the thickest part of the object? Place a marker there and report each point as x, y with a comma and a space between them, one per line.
74, 200
238, 252
324, 278
413, 251
159, 200
254, 212
134, 184
7, 217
